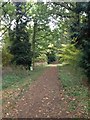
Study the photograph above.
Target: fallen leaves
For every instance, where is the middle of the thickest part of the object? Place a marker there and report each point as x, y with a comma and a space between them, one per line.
74, 99
48, 116
7, 114
62, 98
59, 112
40, 111
45, 98
67, 112
36, 115
8, 102
48, 103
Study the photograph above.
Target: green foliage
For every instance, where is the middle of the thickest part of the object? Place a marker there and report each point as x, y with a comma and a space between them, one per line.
70, 55
72, 82
41, 58
9, 8
22, 53
20, 47
82, 29
6, 57
85, 42
56, 23
85, 63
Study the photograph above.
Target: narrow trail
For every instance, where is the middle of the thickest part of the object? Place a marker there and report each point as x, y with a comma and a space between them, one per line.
44, 99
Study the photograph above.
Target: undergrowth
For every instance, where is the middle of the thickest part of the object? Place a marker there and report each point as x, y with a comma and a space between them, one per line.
72, 82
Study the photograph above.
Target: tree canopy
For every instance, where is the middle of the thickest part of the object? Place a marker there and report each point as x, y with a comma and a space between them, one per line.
29, 30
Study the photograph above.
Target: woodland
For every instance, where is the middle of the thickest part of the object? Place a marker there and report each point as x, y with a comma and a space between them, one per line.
37, 36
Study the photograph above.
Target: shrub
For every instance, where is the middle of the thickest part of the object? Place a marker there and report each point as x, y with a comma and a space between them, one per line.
41, 58
6, 57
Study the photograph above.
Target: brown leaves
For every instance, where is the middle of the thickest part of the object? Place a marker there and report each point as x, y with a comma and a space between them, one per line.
45, 98
40, 111
62, 98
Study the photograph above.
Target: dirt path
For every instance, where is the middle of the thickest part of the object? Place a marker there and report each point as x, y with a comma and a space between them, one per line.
44, 99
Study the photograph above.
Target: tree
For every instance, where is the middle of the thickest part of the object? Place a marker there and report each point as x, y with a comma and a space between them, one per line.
38, 25
85, 40
20, 47
39, 17
33, 43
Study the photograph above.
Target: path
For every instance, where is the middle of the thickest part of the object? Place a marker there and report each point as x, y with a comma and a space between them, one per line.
45, 98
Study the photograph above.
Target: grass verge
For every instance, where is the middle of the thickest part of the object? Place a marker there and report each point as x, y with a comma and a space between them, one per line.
72, 82
15, 82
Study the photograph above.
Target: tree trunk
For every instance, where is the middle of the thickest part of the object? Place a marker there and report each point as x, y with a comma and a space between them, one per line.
33, 44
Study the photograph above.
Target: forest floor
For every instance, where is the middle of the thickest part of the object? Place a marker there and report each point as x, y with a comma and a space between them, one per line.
45, 98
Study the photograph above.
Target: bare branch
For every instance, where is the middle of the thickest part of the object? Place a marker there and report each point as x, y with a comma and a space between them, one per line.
3, 33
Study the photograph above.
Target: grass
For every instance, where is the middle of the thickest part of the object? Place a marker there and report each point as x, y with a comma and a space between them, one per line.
72, 82
16, 82
18, 76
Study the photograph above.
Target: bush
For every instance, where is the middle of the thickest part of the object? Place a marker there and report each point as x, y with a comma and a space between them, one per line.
41, 58
6, 57
22, 53
85, 64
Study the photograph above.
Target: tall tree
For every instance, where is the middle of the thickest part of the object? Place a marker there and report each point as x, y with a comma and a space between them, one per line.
20, 47
33, 43
85, 40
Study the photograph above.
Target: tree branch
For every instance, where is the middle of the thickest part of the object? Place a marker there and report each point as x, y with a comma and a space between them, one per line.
63, 5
